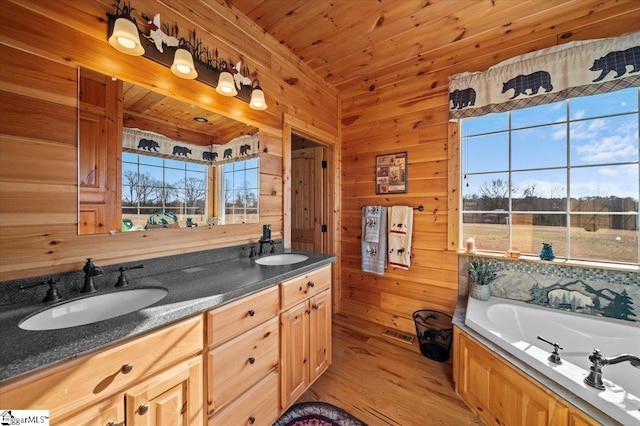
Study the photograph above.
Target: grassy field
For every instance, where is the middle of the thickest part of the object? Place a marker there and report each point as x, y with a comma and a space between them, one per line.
604, 244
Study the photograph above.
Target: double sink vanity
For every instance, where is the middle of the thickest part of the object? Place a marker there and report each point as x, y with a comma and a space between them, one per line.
233, 340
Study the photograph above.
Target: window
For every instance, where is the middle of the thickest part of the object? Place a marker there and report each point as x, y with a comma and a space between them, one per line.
240, 191
567, 173
153, 185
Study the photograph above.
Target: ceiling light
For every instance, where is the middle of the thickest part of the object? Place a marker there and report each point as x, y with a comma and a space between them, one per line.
200, 119
183, 65
125, 37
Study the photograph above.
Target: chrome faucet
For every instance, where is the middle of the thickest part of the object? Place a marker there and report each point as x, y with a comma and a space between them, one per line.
90, 271
594, 379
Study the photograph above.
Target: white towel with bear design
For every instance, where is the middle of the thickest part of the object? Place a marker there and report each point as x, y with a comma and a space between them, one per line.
400, 226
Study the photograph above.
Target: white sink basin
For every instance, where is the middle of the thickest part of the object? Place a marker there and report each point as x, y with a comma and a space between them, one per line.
282, 259
93, 309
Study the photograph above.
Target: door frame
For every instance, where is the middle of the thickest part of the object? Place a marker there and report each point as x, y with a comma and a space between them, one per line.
331, 145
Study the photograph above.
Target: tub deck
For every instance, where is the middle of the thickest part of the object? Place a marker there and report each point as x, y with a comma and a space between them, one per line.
514, 327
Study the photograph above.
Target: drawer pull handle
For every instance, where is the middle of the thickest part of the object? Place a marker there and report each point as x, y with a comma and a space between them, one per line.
126, 368
112, 423
315, 306
252, 420
252, 360
311, 284
308, 311
143, 408
251, 312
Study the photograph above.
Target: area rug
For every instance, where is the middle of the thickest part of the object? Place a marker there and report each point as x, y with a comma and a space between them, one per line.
317, 414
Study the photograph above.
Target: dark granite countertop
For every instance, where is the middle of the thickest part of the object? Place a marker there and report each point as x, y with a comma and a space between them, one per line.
192, 290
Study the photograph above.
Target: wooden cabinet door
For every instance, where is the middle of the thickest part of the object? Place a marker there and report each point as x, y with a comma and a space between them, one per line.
294, 352
319, 335
499, 393
475, 372
173, 397
99, 146
578, 418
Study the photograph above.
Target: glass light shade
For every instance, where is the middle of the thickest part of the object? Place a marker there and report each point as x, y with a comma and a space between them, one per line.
125, 37
226, 85
183, 65
257, 99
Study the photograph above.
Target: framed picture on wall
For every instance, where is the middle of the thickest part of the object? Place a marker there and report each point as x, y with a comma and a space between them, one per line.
391, 173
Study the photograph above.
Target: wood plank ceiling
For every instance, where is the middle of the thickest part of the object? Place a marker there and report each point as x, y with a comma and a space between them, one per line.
148, 110
360, 44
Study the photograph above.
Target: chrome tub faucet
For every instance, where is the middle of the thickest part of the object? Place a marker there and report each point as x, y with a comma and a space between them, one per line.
594, 379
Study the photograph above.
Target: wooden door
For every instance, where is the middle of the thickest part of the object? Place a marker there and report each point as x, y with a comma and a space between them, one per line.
173, 397
294, 353
307, 184
319, 334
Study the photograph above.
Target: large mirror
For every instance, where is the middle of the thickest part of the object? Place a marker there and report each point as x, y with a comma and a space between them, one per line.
148, 161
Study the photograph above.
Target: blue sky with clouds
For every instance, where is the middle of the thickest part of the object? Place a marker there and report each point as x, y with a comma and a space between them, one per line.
603, 151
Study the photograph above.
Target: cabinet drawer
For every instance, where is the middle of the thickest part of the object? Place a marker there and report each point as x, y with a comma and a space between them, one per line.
258, 407
298, 289
95, 376
235, 318
238, 364
101, 414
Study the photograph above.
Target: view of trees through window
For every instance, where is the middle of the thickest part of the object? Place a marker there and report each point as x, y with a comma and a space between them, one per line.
153, 185
565, 173
240, 191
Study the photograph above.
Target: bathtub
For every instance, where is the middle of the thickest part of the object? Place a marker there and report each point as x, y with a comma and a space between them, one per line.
514, 326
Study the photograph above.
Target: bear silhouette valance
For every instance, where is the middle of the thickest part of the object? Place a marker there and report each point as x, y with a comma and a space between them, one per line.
149, 143
579, 68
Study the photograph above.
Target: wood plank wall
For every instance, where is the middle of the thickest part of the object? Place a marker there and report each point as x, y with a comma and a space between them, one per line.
405, 108
42, 43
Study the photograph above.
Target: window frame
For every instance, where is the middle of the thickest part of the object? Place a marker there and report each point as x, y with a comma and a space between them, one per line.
163, 166
457, 204
221, 206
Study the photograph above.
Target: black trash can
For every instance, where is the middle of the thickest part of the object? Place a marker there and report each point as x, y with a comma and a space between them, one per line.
435, 334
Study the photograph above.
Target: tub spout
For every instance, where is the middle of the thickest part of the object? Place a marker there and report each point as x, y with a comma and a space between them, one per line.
594, 379
633, 360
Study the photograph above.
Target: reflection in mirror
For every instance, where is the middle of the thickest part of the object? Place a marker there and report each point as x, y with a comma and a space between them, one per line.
181, 166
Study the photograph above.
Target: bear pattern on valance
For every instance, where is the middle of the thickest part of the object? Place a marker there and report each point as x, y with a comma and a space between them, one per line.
150, 143
578, 68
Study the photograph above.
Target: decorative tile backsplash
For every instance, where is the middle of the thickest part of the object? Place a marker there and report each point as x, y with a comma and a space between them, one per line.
591, 291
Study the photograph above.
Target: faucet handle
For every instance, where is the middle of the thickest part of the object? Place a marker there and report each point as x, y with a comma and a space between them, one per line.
596, 358
122, 279
252, 251
555, 355
88, 265
52, 294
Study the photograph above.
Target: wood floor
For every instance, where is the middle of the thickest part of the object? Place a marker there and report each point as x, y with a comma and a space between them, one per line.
383, 381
